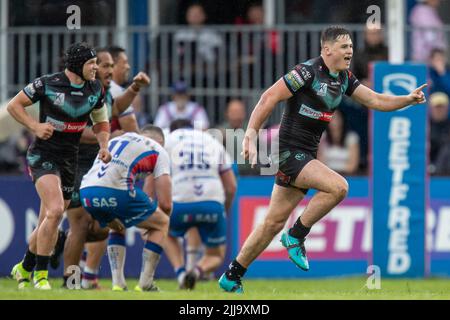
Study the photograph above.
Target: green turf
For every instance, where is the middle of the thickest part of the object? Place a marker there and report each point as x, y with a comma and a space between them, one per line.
286, 289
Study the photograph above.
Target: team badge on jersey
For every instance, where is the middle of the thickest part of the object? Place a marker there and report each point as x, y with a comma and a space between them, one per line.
59, 100
322, 90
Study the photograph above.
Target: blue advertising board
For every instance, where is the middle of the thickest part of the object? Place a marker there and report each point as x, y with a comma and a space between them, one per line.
399, 186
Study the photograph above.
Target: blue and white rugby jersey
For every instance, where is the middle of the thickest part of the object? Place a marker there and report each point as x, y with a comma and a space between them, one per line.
197, 161
131, 154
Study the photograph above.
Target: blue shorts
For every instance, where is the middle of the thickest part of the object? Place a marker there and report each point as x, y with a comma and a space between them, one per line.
207, 216
106, 204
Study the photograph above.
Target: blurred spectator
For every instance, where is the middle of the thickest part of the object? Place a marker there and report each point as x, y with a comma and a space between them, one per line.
181, 108
439, 126
12, 153
428, 30
374, 49
262, 45
235, 115
339, 147
233, 130
439, 72
196, 40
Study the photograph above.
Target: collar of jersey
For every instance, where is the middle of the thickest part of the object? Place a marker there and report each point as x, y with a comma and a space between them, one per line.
77, 86
333, 75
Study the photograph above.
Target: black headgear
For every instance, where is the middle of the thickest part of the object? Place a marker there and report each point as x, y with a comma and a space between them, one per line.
77, 55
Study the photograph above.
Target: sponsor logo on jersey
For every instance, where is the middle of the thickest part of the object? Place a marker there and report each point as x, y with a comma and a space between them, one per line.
70, 127
47, 165
305, 73
315, 114
292, 82
300, 156
76, 93
30, 89
38, 83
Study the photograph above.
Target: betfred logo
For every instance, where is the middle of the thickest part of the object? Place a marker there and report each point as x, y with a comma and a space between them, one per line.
345, 233
314, 114
70, 127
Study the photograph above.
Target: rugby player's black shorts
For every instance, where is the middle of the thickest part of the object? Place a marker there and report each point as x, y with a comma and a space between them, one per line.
291, 163
83, 168
41, 163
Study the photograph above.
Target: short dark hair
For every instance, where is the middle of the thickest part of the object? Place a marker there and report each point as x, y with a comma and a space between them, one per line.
180, 123
153, 129
435, 51
100, 50
333, 33
115, 51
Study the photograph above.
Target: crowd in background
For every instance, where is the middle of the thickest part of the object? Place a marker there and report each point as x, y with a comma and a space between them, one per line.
344, 145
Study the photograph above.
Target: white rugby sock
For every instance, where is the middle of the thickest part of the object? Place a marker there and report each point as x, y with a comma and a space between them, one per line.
193, 254
150, 259
116, 256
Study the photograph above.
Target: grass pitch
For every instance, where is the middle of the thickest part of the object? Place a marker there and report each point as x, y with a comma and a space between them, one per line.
286, 289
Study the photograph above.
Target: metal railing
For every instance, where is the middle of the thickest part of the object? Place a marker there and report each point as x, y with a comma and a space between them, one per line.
218, 62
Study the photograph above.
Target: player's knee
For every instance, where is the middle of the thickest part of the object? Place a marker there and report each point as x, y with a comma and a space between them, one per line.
273, 227
55, 212
340, 190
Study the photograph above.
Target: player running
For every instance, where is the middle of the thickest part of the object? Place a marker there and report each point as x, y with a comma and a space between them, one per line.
313, 91
66, 101
203, 189
109, 194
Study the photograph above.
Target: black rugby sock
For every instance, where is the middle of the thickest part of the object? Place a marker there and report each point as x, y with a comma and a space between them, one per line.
42, 263
299, 231
29, 261
235, 270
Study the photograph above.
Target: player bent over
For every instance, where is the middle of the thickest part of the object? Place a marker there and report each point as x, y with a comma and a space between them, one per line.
109, 194
313, 91
203, 189
66, 101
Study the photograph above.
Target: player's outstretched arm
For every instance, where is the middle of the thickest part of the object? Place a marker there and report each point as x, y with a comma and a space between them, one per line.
122, 102
16, 108
387, 102
269, 99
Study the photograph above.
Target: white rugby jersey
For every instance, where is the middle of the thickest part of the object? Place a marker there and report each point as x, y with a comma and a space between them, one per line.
131, 154
117, 91
197, 161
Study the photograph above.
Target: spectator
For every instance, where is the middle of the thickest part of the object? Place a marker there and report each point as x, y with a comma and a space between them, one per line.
439, 126
339, 147
374, 49
196, 40
439, 72
234, 127
262, 50
181, 108
428, 29
12, 154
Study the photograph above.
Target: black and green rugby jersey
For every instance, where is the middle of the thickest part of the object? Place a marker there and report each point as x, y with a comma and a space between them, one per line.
316, 94
88, 151
67, 107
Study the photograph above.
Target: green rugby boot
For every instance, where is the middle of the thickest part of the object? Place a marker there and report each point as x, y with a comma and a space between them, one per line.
231, 285
40, 279
22, 276
296, 250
